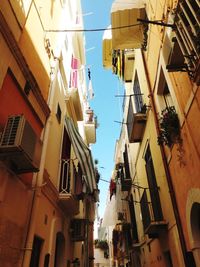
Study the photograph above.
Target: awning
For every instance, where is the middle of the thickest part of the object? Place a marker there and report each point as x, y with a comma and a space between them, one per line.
83, 155
73, 103
125, 13
127, 4
110, 214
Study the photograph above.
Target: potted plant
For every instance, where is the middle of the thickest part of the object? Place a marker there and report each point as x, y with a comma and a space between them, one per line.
169, 127
101, 244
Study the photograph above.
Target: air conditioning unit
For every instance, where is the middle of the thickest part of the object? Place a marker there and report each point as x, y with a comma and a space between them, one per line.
120, 216
20, 148
78, 229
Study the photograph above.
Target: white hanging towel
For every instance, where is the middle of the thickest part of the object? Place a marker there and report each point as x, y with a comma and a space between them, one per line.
90, 90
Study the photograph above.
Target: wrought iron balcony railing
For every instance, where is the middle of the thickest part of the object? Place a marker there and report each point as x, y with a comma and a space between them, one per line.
187, 40
136, 122
152, 216
124, 180
67, 194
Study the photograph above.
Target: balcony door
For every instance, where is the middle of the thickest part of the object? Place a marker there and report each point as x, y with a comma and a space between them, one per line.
137, 95
36, 251
153, 187
133, 220
59, 250
64, 186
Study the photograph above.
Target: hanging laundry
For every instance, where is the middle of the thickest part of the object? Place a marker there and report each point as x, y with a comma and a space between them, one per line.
74, 73
112, 188
90, 90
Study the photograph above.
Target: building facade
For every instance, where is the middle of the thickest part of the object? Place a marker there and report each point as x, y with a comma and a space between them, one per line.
47, 174
154, 49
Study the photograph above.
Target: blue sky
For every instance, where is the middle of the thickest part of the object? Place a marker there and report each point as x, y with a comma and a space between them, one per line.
105, 85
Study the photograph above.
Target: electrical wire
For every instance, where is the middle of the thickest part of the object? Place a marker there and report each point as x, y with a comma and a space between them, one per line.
104, 180
95, 30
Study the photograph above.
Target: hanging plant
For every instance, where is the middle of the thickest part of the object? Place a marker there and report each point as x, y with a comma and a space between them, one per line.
169, 127
101, 244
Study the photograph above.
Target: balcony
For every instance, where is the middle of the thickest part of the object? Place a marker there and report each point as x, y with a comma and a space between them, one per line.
123, 70
185, 54
122, 241
73, 103
67, 198
136, 123
125, 14
126, 182
90, 127
126, 232
153, 221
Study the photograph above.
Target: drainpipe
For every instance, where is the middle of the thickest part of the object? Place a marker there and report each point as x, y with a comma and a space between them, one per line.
87, 235
39, 182
167, 171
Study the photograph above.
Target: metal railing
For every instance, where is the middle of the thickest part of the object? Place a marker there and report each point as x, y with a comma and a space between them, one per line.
187, 22
65, 181
151, 211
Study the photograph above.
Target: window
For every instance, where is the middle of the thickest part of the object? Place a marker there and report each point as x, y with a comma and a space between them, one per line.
35, 256
58, 113
46, 260
133, 220
168, 258
27, 88
137, 95
59, 250
165, 98
153, 188
64, 186
63, 75
126, 163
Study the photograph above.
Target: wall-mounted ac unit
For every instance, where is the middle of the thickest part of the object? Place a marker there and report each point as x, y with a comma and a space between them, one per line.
78, 229
20, 148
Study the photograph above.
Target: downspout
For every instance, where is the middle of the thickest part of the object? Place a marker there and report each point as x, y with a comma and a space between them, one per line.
38, 183
167, 171
87, 235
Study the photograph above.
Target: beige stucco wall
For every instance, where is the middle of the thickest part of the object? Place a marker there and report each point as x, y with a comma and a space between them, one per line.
53, 155
100, 261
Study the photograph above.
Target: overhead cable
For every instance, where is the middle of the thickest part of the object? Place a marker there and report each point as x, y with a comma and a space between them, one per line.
95, 30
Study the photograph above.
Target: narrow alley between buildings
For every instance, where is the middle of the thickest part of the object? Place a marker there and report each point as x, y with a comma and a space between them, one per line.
50, 174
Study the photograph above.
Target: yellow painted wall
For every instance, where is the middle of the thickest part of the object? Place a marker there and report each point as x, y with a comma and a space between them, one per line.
154, 257
8, 61
32, 44
55, 135
10, 18
28, 21
21, 9
185, 171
